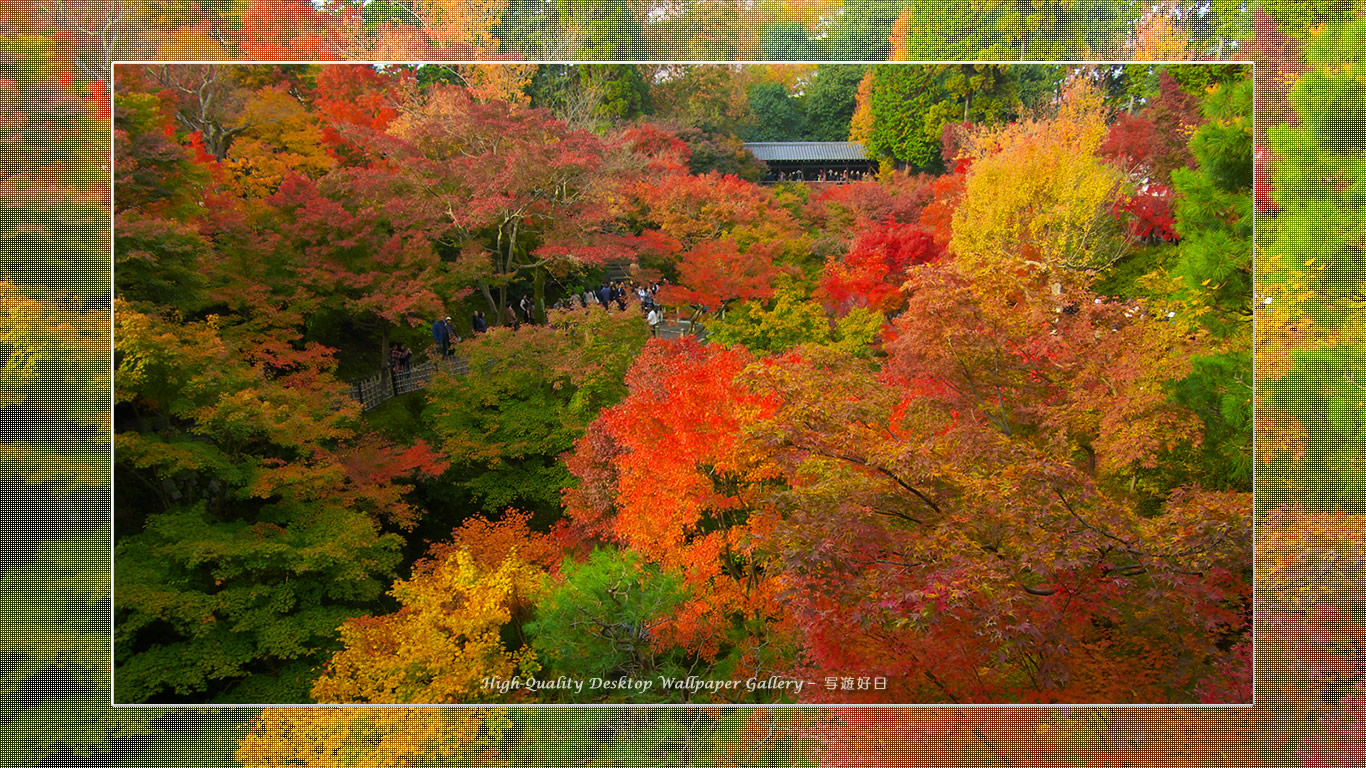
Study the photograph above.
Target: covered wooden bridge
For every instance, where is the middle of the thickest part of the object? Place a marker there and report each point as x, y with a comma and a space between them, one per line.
831, 161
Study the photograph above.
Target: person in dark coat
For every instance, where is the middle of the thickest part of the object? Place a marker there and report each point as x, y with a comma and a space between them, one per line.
478, 322
441, 334
395, 364
605, 296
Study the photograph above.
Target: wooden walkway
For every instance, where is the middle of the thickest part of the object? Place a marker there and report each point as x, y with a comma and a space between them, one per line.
373, 390
377, 388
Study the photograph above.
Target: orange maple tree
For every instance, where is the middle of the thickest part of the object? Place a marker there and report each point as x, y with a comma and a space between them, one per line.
671, 477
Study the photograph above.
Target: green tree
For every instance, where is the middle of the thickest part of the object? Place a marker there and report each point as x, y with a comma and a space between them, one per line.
911, 104
777, 116
1021, 30
529, 396
246, 532
54, 347
828, 102
159, 253
589, 95
56, 687
787, 41
905, 124
987, 93
601, 622
1213, 209
1311, 359
1298, 17
574, 29
859, 31
1214, 216
794, 319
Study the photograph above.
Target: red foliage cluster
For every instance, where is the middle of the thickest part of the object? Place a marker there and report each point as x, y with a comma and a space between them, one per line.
1130, 141
354, 96
1138, 145
272, 31
849, 206
717, 273
663, 151
1150, 213
1261, 181
871, 274
951, 144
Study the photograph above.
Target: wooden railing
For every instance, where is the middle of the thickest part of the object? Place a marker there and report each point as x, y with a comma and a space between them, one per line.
375, 389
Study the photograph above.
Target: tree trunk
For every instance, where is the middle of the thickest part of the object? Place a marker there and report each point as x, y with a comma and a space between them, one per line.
508, 262
538, 289
488, 297
384, 346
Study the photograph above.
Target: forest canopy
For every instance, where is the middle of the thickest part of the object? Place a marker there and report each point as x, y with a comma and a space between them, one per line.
426, 377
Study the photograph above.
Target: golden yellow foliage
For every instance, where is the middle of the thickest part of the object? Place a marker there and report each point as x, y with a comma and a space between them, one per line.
342, 738
499, 82
191, 43
814, 15
861, 124
441, 644
460, 23
901, 29
283, 138
1037, 201
1157, 38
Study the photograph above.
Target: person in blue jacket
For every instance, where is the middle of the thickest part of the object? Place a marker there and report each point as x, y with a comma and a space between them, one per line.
441, 334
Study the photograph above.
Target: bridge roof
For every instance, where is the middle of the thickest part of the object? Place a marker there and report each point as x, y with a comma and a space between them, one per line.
769, 151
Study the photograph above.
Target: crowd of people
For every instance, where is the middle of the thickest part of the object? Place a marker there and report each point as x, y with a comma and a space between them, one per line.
826, 175
618, 295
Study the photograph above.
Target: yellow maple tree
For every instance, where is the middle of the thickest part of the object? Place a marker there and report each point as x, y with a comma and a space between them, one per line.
340, 738
445, 640
283, 137
1037, 202
861, 124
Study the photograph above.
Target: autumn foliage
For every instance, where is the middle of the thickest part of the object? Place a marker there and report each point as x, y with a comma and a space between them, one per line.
952, 433
1009, 463
872, 273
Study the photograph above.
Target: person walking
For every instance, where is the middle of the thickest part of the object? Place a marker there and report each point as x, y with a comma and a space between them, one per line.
478, 323
452, 338
441, 334
395, 362
652, 319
